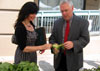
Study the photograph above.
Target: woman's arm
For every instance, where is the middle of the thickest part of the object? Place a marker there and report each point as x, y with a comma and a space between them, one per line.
20, 33
36, 48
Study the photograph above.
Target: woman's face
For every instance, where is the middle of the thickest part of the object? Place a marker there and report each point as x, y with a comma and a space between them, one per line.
31, 17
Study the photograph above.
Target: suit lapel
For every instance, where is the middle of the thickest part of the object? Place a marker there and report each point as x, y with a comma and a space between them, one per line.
61, 29
72, 27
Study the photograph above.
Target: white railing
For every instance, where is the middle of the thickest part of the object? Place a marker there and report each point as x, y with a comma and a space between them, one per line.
46, 19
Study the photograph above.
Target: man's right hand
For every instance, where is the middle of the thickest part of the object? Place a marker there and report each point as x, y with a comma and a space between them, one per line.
55, 51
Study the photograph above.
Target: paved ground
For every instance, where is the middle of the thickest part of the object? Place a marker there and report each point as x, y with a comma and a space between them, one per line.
45, 60
91, 56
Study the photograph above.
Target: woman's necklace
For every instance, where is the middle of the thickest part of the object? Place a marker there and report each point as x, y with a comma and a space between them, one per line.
28, 24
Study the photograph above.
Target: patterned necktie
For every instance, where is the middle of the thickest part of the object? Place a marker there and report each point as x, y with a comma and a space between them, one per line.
66, 34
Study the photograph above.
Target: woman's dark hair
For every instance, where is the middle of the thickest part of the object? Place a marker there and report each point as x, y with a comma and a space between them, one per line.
27, 8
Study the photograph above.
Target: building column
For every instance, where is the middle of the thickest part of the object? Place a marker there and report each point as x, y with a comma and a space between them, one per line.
84, 5
99, 4
36, 1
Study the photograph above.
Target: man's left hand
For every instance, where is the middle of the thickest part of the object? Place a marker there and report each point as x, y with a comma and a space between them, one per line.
68, 45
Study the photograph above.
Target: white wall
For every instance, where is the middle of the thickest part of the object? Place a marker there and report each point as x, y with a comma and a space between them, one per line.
12, 4
7, 20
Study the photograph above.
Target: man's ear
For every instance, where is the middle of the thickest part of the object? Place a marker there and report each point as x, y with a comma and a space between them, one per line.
72, 7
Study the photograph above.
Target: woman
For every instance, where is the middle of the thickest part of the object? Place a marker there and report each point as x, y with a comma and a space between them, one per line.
26, 35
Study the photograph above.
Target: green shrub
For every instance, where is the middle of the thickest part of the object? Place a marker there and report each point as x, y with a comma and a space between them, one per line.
22, 66
93, 69
6, 67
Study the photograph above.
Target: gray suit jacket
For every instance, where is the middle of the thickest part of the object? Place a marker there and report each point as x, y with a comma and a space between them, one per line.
78, 34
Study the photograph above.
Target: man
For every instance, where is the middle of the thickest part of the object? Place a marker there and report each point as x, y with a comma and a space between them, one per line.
74, 39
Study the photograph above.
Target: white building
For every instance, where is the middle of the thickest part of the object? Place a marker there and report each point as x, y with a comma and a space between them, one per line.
9, 10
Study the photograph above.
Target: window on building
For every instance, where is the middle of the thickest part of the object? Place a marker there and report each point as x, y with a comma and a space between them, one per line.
54, 4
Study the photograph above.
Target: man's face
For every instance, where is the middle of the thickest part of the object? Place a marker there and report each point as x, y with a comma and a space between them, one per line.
66, 10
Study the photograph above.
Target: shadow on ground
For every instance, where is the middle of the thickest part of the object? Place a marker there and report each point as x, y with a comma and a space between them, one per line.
45, 66
92, 63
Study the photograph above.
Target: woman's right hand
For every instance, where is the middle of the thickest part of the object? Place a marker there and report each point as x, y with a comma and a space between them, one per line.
46, 46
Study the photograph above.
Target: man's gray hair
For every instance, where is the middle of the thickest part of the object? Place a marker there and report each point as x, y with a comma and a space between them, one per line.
66, 1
